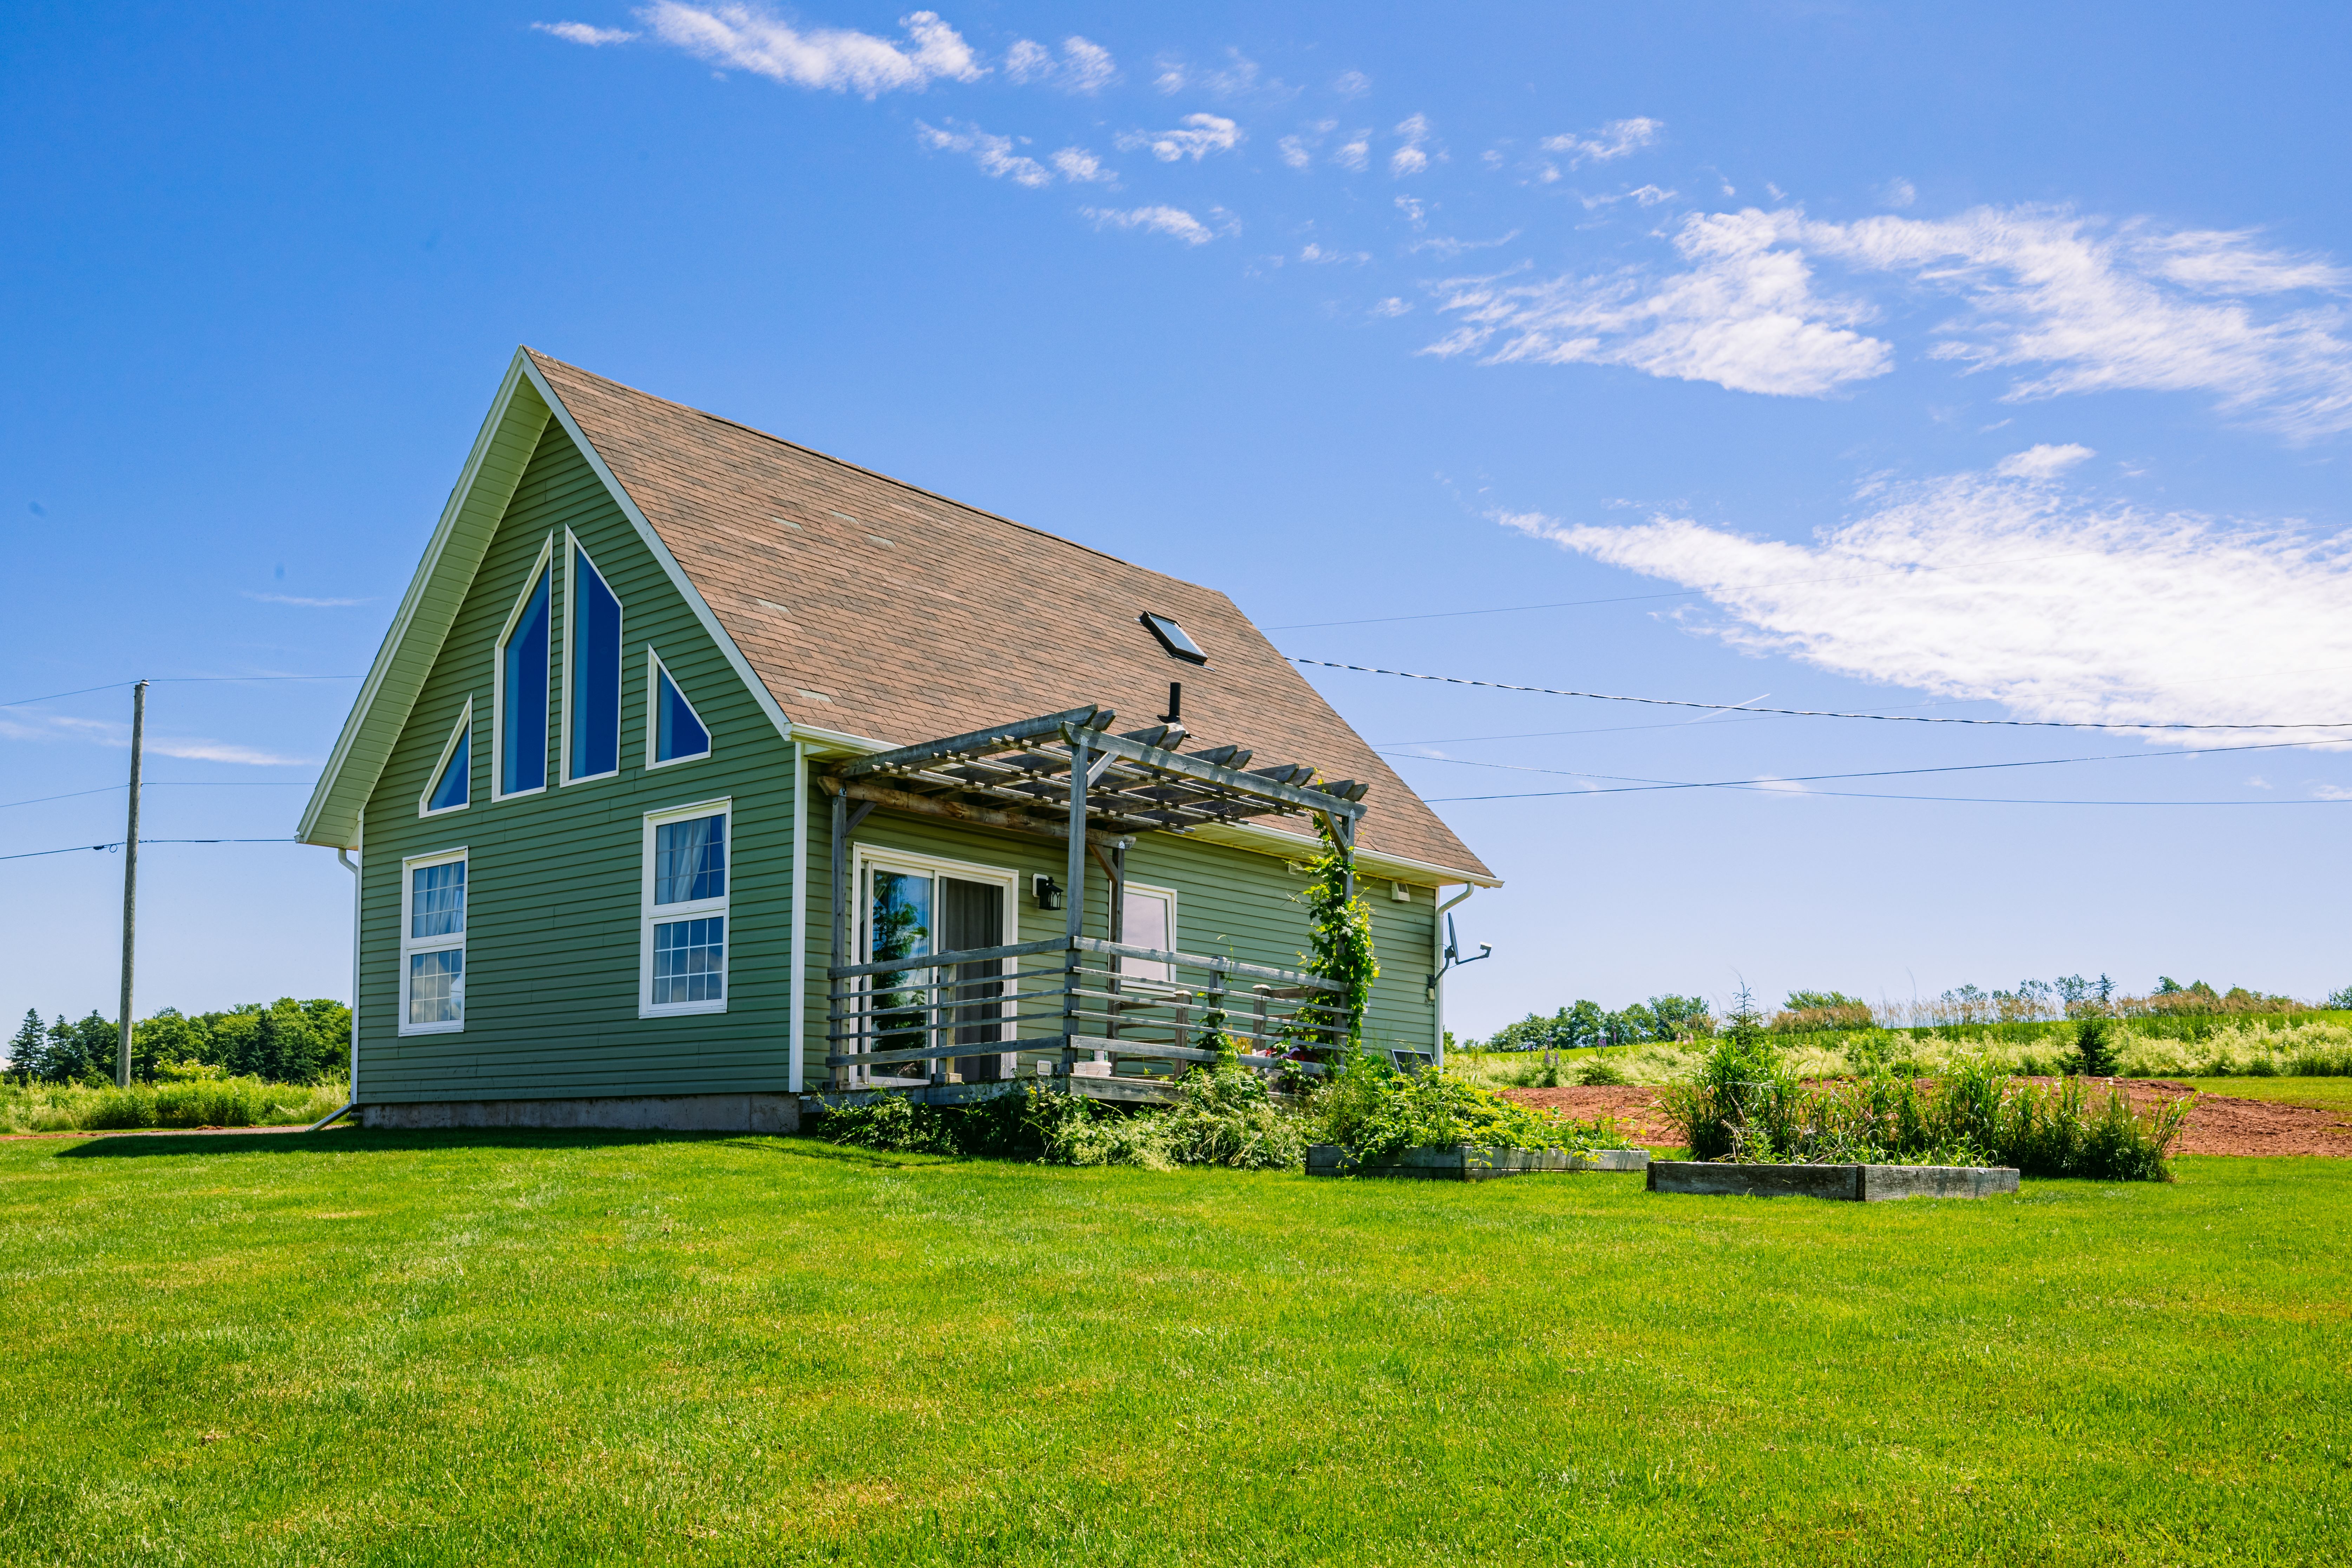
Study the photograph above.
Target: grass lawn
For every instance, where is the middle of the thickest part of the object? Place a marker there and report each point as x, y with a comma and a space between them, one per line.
2327, 1093
465, 1348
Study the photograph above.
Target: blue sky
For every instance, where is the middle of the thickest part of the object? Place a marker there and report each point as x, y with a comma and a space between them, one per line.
1975, 363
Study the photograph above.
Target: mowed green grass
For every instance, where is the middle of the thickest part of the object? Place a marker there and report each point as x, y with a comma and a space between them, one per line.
479, 1348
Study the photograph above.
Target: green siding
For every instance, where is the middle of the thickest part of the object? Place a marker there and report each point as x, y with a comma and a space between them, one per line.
554, 879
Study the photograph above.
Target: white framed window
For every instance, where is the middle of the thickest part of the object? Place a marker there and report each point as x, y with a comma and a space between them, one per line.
675, 732
682, 957
433, 943
1149, 920
911, 905
521, 684
592, 683
450, 785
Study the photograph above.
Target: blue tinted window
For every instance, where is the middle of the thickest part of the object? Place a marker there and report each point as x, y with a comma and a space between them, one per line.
523, 747
690, 962
677, 732
690, 860
595, 692
456, 776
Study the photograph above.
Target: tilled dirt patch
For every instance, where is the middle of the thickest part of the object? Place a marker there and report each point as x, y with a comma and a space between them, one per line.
2218, 1124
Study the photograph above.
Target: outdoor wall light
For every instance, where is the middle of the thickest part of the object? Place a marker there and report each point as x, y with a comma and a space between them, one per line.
1049, 892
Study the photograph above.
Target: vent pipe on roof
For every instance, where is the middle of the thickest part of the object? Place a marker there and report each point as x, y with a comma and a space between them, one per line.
1175, 714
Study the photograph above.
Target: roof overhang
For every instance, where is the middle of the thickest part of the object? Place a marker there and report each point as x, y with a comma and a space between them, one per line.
519, 417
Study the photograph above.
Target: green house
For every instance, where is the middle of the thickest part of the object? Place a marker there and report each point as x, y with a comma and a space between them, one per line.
701, 774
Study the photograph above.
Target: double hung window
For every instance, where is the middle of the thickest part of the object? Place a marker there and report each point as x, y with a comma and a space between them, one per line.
682, 966
433, 943
592, 690
522, 685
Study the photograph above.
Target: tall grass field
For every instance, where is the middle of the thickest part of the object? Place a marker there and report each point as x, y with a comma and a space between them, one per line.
198, 1102
424, 1348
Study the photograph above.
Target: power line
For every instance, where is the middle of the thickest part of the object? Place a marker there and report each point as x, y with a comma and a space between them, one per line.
1862, 795
1642, 784
1798, 712
169, 681
74, 849
1808, 778
169, 783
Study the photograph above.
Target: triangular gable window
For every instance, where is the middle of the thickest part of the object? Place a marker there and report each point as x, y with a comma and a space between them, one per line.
676, 732
452, 782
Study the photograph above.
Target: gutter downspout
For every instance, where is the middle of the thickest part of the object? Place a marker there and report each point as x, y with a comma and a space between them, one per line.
800, 914
343, 857
1437, 963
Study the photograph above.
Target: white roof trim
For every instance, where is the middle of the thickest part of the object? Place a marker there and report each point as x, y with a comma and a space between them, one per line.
331, 776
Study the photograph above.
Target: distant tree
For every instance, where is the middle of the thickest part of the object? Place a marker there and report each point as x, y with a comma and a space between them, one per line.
1681, 1017
2166, 985
28, 1047
2341, 999
1807, 1001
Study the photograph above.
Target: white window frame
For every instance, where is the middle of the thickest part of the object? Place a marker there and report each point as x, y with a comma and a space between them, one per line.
411, 945
498, 674
868, 856
448, 749
695, 909
655, 670
573, 553
1173, 946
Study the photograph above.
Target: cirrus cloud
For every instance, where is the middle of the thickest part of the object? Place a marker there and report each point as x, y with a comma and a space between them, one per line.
744, 38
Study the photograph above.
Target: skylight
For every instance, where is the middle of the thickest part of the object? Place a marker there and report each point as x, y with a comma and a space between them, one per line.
1172, 637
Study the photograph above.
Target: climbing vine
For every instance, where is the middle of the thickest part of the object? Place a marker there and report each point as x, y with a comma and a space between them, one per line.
1340, 939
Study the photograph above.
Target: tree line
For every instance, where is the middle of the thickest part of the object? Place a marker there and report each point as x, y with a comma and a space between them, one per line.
285, 1041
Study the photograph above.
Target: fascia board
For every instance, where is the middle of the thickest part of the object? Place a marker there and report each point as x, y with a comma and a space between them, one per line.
1290, 845
342, 789
652, 541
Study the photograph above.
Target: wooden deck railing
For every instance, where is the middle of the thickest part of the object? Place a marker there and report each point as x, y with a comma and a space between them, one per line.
1071, 1006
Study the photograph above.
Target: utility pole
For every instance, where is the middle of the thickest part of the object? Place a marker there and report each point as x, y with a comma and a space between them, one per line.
131, 881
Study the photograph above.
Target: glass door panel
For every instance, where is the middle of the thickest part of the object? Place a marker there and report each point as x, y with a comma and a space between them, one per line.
899, 925
972, 914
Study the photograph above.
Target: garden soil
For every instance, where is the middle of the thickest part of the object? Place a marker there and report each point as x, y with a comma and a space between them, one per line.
2218, 1124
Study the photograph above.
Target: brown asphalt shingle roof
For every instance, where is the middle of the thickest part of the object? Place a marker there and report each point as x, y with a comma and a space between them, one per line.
879, 610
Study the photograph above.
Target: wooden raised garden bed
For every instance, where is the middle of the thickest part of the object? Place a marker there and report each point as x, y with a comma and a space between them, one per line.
1469, 1163
1858, 1183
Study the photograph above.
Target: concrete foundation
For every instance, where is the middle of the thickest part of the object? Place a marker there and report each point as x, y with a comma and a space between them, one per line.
676, 1113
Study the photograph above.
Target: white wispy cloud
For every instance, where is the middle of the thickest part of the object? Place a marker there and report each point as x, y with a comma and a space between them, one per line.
1452, 244
1195, 137
105, 733
307, 604
2076, 304
1173, 222
1413, 158
1899, 193
2042, 462
743, 38
2084, 304
1085, 67
584, 33
1356, 152
1081, 167
1744, 316
1313, 253
2124, 615
1352, 84
994, 155
1391, 306
1614, 139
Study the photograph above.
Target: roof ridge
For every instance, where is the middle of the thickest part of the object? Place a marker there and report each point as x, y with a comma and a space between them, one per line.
861, 468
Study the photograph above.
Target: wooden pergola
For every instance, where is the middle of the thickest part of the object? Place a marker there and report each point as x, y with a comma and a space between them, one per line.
1064, 775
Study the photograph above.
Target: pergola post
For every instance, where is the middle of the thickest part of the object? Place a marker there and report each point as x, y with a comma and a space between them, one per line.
1074, 900
841, 957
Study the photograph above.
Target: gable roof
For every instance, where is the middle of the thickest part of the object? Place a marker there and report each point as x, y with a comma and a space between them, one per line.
877, 614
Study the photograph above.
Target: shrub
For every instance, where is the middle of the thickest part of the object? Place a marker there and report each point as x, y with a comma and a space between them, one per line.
2095, 1048
1369, 1108
1598, 1070
116, 1108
